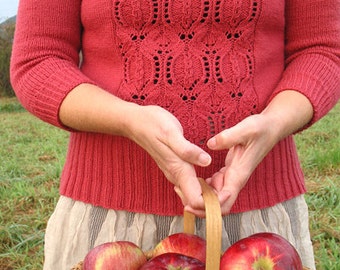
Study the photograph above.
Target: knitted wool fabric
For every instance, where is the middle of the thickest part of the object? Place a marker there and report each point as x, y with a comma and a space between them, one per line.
210, 63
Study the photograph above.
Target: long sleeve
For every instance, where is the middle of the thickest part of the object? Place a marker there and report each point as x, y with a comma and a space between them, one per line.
313, 52
45, 57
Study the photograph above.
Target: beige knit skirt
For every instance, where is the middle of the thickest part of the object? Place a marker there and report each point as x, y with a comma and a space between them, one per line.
76, 227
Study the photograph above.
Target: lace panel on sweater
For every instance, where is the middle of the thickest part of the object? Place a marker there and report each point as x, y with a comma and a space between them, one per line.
194, 58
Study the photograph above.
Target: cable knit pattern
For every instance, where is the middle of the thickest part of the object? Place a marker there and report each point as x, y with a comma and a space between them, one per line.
210, 63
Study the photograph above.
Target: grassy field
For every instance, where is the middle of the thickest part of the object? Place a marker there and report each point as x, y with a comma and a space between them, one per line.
32, 156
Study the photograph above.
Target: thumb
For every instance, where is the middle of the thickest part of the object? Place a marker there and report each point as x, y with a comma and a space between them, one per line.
228, 138
189, 152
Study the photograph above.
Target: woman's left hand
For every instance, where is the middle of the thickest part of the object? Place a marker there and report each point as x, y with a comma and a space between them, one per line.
248, 142
251, 139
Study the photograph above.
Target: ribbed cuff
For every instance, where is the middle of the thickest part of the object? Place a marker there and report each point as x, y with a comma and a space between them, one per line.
316, 77
43, 92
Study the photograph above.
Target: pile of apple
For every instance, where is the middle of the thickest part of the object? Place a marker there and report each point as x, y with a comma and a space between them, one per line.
261, 251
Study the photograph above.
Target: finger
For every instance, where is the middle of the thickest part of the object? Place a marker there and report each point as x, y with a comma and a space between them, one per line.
188, 187
189, 152
180, 194
197, 213
210, 181
217, 180
224, 140
223, 197
235, 135
228, 204
228, 194
192, 194
234, 181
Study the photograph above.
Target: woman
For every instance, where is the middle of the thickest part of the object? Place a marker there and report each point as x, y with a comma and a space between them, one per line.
168, 91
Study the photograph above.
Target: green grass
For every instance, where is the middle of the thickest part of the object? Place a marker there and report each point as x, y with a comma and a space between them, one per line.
319, 151
32, 156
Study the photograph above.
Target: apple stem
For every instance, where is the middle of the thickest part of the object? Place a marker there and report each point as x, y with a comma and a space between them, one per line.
174, 267
263, 263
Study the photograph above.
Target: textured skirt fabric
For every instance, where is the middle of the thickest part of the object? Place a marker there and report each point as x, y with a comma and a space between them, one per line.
76, 227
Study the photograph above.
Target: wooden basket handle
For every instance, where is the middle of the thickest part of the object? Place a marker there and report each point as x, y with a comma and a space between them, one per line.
213, 226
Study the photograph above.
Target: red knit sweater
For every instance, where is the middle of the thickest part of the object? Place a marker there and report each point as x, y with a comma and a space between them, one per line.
210, 63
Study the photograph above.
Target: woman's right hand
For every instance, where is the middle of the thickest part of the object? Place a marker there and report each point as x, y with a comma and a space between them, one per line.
90, 108
161, 135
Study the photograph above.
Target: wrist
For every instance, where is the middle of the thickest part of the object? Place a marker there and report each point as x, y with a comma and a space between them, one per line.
92, 109
288, 112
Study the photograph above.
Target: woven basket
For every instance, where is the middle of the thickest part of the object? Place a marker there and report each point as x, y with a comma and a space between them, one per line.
213, 228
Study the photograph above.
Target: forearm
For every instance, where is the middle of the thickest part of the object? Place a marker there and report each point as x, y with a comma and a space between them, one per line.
289, 112
90, 108
312, 53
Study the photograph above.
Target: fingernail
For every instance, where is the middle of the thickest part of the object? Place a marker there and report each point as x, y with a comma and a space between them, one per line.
212, 143
204, 159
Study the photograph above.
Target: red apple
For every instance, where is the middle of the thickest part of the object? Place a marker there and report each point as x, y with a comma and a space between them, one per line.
173, 261
261, 251
187, 244
120, 255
